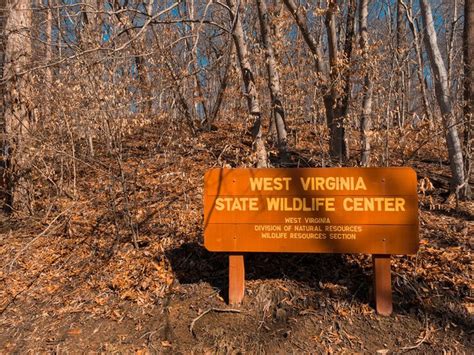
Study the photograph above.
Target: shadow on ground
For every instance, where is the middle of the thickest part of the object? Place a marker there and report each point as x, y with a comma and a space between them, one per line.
192, 263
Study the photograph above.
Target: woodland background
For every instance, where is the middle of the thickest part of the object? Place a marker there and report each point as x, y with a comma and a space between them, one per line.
113, 110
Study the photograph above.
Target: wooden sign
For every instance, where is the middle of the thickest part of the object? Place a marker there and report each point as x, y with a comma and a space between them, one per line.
334, 210
325, 210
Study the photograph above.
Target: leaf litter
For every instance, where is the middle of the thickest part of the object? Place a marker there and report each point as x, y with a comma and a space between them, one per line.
72, 279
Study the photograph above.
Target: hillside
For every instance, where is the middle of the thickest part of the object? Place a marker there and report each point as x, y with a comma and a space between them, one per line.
122, 267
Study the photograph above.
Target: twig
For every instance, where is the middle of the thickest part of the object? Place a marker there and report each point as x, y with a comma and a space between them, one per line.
36, 238
223, 151
98, 48
422, 340
230, 310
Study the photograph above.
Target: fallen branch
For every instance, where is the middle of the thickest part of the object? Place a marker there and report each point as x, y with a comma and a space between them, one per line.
422, 340
36, 238
191, 327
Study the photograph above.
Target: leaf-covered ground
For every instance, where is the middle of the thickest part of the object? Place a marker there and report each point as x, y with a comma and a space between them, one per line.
126, 271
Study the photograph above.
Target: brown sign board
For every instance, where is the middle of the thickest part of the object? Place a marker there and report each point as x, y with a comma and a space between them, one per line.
311, 210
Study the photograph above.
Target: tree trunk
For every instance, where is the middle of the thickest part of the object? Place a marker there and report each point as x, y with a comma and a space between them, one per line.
400, 58
221, 90
337, 146
440, 79
198, 94
48, 53
419, 60
366, 121
401, 29
450, 43
3, 16
140, 62
177, 87
49, 41
16, 117
468, 85
278, 111
249, 84
346, 77
3, 182
91, 34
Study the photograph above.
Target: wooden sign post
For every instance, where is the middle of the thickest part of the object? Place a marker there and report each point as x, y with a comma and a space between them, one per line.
327, 210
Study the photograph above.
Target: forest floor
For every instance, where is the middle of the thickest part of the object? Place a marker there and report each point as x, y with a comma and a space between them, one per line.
71, 278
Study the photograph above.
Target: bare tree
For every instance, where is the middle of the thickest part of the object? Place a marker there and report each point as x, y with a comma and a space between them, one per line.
450, 41
468, 83
91, 33
49, 41
402, 65
419, 59
250, 93
365, 122
337, 145
440, 79
140, 62
278, 112
3, 15
223, 82
16, 98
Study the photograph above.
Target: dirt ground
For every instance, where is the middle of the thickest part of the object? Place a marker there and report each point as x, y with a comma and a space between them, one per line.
71, 279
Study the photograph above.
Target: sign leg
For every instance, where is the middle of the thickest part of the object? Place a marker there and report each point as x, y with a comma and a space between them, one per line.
382, 284
236, 278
